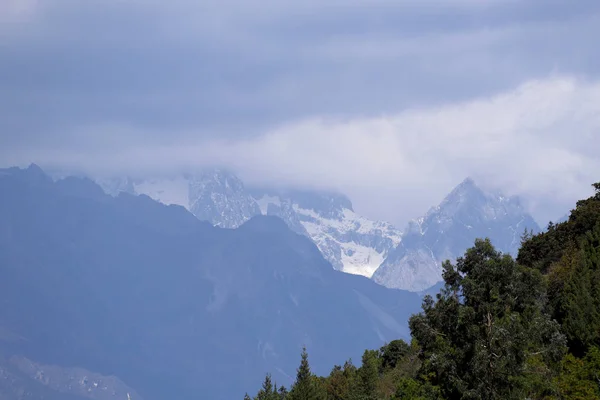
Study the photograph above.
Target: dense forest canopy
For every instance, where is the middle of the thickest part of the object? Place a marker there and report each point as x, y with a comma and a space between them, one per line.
499, 328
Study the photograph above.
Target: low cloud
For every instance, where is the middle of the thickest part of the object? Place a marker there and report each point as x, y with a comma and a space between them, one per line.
391, 101
540, 140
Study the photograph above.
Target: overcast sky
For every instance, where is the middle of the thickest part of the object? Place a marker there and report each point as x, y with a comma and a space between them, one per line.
392, 102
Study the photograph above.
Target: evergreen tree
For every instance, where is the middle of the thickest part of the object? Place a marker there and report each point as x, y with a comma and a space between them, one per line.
392, 353
266, 392
283, 393
369, 375
337, 385
580, 379
305, 387
574, 290
579, 301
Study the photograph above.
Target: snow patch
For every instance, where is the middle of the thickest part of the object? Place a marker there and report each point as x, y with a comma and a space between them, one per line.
355, 258
360, 260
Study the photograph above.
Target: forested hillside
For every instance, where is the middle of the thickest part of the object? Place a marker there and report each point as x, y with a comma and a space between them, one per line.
499, 329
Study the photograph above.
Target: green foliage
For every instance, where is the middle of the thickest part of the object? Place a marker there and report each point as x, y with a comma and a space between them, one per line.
369, 375
267, 392
340, 381
488, 319
306, 386
543, 250
283, 393
393, 353
413, 389
580, 378
408, 388
570, 255
577, 305
498, 329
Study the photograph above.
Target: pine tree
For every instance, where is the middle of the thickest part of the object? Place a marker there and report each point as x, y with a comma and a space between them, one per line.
574, 288
337, 385
369, 374
283, 393
266, 392
305, 386
303, 372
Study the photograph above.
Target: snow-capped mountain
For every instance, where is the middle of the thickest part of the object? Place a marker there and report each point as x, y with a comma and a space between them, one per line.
350, 242
220, 197
214, 195
447, 230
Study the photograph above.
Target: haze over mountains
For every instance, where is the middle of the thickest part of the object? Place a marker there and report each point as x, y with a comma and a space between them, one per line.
104, 295
352, 243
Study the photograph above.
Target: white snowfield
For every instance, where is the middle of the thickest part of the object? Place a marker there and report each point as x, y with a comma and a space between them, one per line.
350, 242
356, 258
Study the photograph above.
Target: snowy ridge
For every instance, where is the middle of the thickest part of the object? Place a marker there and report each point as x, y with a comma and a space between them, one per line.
215, 195
350, 242
220, 197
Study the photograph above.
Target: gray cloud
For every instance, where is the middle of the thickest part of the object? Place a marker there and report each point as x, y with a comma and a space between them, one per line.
147, 84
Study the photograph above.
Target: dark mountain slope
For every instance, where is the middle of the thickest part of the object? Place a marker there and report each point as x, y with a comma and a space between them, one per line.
172, 306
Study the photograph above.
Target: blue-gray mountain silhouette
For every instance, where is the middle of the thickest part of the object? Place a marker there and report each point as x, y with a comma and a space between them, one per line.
172, 306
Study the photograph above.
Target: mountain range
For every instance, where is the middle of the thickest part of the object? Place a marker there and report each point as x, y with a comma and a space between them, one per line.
107, 297
352, 243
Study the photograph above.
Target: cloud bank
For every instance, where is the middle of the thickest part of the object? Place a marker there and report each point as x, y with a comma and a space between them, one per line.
540, 140
392, 102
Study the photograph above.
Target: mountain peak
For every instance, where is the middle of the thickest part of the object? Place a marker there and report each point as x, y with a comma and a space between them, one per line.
468, 182
470, 198
215, 178
467, 187
33, 175
218, 196
448, 230
34, 168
